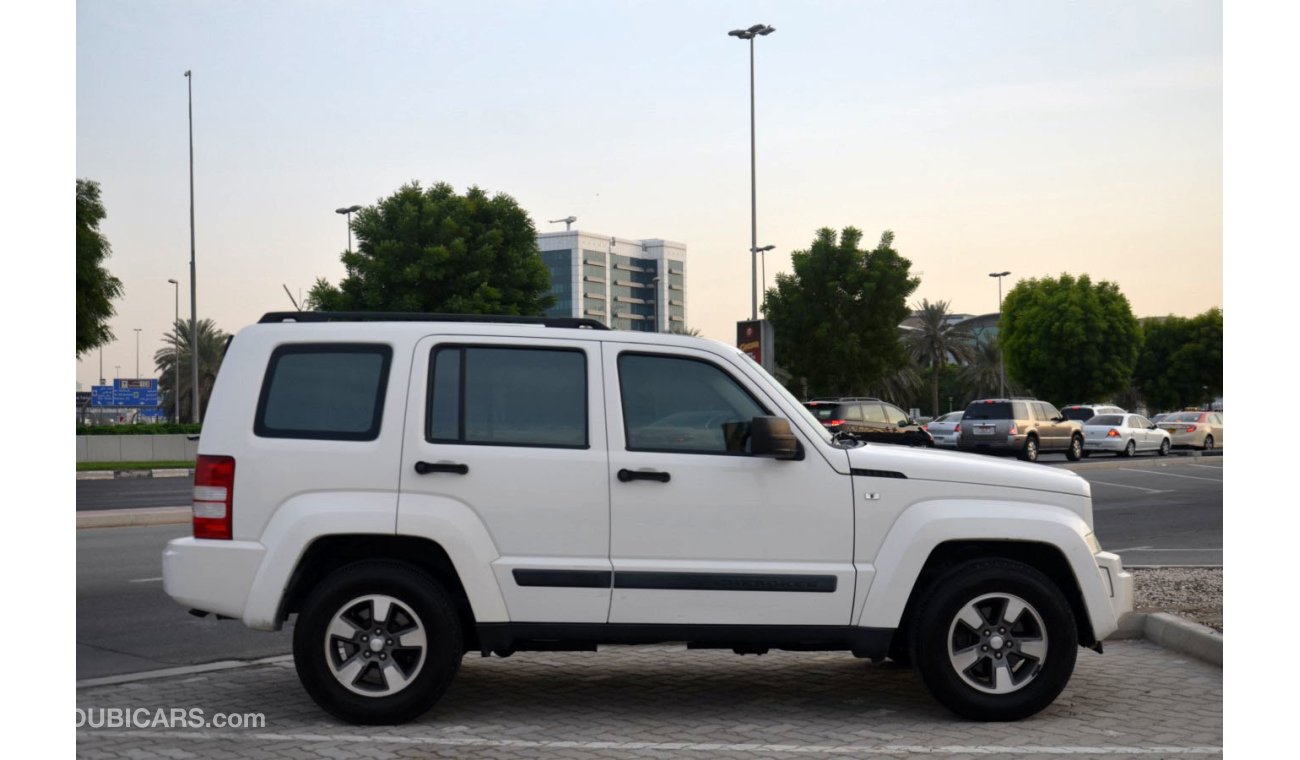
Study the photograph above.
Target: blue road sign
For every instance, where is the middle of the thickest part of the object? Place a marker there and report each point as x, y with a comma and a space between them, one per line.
126, 392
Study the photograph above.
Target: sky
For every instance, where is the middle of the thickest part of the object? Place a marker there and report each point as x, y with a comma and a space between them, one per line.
1035, 137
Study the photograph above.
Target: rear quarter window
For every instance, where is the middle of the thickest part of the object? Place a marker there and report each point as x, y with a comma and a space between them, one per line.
330, 391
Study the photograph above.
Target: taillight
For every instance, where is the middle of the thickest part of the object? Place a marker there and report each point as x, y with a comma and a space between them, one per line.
957, 429
1013, 430
835, 422
1112, 433
214, 485
1191, 428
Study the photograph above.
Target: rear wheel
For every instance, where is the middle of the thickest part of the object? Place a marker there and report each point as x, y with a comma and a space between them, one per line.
1208, 444
1130, 448
377, 643
1030, 451
994, 640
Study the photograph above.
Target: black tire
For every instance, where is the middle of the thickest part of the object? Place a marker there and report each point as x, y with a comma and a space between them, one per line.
1087, 454
1130, 448
1164, 448
1029, 452
1075, 452
1208, 443
410, 587
936, 628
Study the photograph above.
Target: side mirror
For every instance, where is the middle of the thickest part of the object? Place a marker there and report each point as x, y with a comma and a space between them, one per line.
771, 437
906, 422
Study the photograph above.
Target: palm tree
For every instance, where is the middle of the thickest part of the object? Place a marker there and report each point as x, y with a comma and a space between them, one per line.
901, 384
211, 347
982, 376
935, 341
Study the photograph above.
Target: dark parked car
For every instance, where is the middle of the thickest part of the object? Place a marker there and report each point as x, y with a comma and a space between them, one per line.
869, 419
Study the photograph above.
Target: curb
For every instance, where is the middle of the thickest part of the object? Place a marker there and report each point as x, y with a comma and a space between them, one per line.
116, 474
1174, 633
124, 518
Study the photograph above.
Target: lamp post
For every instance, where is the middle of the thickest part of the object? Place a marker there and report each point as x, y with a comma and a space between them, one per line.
1002, 362
764, 251
749, 34
137, 351
194, 307
176, 353
349, 211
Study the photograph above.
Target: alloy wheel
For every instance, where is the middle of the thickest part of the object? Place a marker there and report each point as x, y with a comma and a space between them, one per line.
375, 645
997, 643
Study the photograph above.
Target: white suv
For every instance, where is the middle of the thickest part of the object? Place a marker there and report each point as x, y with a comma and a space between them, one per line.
415, 487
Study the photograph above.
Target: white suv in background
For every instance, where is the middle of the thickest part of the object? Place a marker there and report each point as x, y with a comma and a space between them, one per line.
416, 487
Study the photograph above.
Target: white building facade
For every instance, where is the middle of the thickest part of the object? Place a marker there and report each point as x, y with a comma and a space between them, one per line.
626, 284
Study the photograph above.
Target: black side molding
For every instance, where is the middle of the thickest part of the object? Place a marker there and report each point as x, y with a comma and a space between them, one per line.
817, 584
865, 473
563, 578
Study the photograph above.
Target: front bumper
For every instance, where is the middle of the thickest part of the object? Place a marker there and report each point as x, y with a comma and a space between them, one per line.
1119, 583
211, 575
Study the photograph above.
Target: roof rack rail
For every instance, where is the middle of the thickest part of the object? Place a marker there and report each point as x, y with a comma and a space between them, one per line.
409, 316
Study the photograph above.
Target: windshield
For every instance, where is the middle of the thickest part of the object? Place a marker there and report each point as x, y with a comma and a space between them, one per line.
789, 397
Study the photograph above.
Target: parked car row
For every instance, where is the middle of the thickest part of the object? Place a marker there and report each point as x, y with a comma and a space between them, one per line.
1024, 427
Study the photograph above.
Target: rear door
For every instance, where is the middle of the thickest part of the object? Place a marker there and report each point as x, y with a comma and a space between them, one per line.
507, 437
876, 424
702, 532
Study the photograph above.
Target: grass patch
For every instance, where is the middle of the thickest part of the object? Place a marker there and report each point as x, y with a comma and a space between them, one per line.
87, 466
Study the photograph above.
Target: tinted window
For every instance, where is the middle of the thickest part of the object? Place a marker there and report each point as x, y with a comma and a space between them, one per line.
1046, 411
822, 411
1107, 420
1186, 417
508, 397
674, 404
1080, 413
328, 391
981, 410
852, 412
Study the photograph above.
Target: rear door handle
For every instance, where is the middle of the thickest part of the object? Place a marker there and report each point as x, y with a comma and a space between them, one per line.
424, 468
625, 475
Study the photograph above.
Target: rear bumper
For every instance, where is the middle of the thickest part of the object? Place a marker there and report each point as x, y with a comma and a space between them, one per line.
946, 440
211, 575
1005, 444
1104, 444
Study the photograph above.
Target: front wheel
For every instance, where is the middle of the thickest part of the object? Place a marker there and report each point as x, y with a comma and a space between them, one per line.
377, 643
1164, 448
1075, 452
994, 639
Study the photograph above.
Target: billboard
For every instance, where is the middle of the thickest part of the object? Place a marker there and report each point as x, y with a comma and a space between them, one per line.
757, 338
141, 391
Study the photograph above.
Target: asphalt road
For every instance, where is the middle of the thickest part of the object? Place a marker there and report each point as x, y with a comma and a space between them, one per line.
1152, 511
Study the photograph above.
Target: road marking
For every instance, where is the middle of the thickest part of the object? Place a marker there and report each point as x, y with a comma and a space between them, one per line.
146, 580
713, 747
1136, 488
1208, 466
1129, 549
1172, 475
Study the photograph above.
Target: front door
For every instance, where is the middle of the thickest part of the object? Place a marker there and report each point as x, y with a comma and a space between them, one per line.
702, 532
507, 441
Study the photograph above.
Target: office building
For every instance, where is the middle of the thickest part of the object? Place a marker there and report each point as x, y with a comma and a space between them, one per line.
626, 284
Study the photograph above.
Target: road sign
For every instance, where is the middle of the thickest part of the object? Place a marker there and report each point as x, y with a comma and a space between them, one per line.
124, 391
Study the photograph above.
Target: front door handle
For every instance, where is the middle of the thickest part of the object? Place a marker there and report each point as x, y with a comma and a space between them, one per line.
626, 475
424, 468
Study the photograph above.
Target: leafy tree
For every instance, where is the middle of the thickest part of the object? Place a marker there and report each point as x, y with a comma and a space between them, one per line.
1068, 339
211, 347
431, 250
1181, 363
935, 341
836, 316
96, 288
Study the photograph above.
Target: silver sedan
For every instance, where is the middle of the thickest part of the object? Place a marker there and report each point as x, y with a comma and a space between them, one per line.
944, 429
1125, 435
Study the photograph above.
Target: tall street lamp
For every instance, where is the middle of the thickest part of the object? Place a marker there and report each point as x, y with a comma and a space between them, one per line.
749, 34
764, 251
176, 353
137, 351
1002, 362
350, 210
194, 307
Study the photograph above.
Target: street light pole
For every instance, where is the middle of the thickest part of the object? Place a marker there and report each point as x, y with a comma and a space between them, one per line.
1002, 362
764, 251
349, 210
749, 34
137, 352
176, 353
194, 308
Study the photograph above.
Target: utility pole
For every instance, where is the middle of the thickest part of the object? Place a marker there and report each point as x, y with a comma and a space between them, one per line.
194, 308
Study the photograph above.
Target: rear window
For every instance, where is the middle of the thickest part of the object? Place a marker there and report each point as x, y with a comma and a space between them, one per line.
981, 410
330, 391
1109, 420
1080, 413
1186, 417
823, 411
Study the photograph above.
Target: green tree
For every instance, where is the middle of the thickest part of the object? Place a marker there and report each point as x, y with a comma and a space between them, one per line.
96, 288
935, 341
211, 347
982, 375
1068, 339
836, 316
431, 250
1181, 363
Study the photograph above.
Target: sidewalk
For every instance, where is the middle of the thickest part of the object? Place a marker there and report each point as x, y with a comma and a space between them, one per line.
668, 702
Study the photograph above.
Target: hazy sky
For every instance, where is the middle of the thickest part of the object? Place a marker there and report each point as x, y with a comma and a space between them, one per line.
1039, 137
